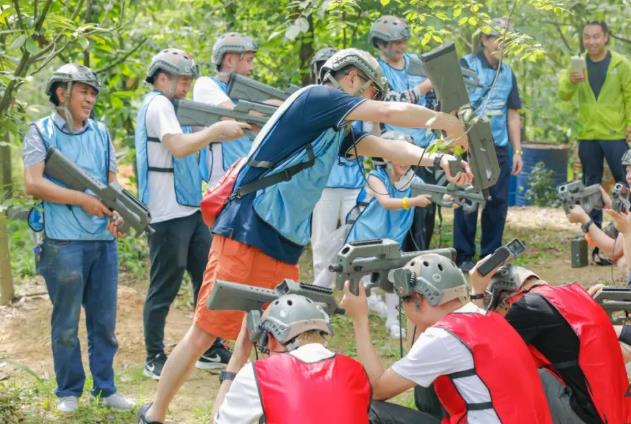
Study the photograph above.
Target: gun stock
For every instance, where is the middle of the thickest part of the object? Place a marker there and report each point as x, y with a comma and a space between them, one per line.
576, 194
135, 215
375, 258
197, 114
244, 88
443, 70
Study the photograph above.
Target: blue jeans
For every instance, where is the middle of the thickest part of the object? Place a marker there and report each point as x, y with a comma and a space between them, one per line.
82, 273
493, 217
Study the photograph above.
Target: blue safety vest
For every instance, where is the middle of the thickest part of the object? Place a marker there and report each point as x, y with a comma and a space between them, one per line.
491, 101
187, 179
375, 222
400, 80
89, 149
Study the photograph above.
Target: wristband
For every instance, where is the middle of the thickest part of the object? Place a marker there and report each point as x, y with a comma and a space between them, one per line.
585, 226
517, 153
437, 160
226, 376
404, 203
476, 296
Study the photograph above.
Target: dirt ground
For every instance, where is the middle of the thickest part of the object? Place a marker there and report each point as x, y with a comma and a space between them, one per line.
25, 338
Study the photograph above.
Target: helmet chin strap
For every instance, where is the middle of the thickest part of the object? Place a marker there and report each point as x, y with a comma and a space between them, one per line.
65, 108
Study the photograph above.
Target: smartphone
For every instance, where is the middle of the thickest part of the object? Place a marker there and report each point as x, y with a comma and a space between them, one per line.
578, 65
510, 250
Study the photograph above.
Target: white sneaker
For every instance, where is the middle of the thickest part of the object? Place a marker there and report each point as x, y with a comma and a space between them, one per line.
377, 306
117, 402
395, 331
68, 404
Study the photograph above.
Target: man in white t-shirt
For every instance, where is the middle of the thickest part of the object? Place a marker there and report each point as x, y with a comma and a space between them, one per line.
169, 183
232, 52
474, 358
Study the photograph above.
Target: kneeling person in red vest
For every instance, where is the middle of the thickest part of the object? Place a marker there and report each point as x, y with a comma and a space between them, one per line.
569, 336
301, 380
481, 369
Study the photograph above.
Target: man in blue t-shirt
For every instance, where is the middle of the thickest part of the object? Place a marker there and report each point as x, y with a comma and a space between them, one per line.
389, 35
266, 223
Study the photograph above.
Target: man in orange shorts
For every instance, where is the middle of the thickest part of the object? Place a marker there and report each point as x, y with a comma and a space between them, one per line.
262, 230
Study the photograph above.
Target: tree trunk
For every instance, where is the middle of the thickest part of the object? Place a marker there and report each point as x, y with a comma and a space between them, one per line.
6, 281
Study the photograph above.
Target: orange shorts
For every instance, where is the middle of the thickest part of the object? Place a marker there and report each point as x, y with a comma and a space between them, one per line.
231, 260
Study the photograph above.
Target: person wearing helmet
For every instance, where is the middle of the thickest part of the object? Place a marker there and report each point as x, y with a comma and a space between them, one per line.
608, 241
262, 230
388, 214
169, 183
497, 99
571, 340
319, 58
474, 358
389, 35
79, 235
601, 85
232, 52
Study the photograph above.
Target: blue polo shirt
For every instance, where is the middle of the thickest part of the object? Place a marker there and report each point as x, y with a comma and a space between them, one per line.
311, 113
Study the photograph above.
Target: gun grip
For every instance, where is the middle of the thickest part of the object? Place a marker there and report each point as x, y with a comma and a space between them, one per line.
455, 166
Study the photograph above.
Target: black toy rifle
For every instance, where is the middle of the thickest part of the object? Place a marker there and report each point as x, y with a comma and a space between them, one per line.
467, 198
576, 194
197, 114
244, 88
615, 300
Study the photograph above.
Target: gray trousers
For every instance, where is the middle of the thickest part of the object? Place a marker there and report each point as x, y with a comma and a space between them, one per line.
558, 395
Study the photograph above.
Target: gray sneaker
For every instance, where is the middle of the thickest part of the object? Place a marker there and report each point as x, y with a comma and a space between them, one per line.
68, 404
117, 402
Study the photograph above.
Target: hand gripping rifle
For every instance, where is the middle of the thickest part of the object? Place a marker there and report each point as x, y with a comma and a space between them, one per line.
575, 193
135, 215
615, 300
375, 258
442, 68
197, 114
244, 88
620, 198
467, 198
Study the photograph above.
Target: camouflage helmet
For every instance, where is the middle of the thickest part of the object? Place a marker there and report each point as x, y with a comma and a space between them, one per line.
626, 158
506, 281
360, 59
232, 42
435, 277
69, 73
291, 315
173, 61
388, 28
496, 27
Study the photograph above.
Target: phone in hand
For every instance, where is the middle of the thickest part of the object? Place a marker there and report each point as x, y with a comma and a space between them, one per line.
510, 250
578, 65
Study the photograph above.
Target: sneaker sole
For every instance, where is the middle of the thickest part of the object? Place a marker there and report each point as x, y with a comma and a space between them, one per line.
150, 375
209, 365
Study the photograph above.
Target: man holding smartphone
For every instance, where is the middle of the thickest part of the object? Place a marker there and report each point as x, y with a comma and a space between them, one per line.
603, 87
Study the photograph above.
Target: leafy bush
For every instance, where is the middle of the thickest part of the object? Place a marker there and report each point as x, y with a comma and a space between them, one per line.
541, 189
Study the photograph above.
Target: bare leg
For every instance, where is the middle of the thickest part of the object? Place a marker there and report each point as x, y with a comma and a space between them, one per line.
177, 368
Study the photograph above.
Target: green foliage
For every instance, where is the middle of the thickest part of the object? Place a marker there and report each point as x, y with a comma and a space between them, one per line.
541, 189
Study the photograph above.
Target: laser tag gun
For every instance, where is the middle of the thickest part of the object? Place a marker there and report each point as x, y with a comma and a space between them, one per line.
467, 198
615, 300
375, 258
116, 198
575, 193
226, 296
620, 198
443, 69
415, 67
197, 114
244, 88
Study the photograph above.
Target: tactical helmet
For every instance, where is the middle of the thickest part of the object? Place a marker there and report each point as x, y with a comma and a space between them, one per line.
173, 61
388, 28
232, 42
69, 73
434, 276
626, 158
359, 59
323, 55
497, 27
291, 315
506, 281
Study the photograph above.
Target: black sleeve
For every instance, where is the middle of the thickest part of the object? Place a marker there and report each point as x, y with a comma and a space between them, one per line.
464, 63
514, 100
625, 335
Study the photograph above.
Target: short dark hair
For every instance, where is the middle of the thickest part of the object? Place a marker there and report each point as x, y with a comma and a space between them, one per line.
53, 93
601, 24
151, 78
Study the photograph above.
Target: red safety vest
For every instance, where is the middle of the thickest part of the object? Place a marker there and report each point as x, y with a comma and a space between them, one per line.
334, 390
502, 362
599, 356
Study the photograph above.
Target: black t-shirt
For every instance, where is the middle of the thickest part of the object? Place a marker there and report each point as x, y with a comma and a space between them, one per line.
597, 72
542, 326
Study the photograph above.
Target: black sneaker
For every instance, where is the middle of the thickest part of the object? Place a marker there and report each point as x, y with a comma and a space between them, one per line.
214, 358
153, 367
140, 415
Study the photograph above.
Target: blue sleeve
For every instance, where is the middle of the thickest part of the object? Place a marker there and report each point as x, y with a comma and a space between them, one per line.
514, 100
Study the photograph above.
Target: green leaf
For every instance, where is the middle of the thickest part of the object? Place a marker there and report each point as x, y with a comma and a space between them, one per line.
31, 46
19, 42
463, 20
384, 3
84, 43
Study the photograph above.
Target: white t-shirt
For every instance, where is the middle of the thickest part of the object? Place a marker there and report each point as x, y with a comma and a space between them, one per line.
163, 205
242, 404
206, 90
437, 352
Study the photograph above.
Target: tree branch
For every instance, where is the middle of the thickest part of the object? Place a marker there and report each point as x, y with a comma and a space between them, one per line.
117, 61
619, 38
560, 31
18, 12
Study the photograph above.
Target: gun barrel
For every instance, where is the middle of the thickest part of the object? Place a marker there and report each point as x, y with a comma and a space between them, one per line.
244, 88
197, 114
